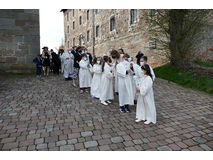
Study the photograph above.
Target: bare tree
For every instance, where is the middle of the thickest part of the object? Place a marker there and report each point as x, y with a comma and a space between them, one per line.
177, 32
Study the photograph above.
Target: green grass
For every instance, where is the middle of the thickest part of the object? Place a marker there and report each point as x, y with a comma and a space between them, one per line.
204, 64
176, 75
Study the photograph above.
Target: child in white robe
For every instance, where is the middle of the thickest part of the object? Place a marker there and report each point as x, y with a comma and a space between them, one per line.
135, 77
126, 95
85, 77
143, 61
96, 80
106, 82
146, 105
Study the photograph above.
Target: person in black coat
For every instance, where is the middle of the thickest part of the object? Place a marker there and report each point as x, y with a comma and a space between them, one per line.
77, 58
89, 56
139, 56
56, 62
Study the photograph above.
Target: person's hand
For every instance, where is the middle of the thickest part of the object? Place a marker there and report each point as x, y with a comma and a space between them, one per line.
77, 62
137, 90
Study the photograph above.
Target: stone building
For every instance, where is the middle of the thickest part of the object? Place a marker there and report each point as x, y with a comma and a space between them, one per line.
103, 29
19, 39
106, 29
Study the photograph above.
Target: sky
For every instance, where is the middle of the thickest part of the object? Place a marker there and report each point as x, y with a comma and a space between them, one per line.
51, 28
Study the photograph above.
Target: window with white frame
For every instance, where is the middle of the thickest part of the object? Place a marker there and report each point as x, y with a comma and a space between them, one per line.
112, 23
133, 16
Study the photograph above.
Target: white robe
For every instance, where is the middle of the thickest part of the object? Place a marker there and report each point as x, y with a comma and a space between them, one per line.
125, 90
85, 77
138, 74
67, 64
96, 81
152, 72
145, 104
62, 63
115, 63
106, 84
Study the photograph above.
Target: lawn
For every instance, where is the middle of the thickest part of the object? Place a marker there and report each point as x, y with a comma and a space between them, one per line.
176, 75
204, 64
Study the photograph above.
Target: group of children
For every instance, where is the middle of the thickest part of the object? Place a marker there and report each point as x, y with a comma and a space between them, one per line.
131, 81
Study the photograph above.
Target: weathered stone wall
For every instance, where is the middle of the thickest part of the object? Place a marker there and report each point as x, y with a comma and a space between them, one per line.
19, 39
130, 37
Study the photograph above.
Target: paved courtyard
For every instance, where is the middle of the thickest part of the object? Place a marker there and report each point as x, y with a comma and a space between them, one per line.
49, 114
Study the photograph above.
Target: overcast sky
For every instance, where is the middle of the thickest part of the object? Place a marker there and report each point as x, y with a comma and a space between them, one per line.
51, 28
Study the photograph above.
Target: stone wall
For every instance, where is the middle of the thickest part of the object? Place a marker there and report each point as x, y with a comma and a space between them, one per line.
19, 39
130, 37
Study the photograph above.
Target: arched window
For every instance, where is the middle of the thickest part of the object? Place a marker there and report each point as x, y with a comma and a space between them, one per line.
68, 29
80, 20
73, 41
97, 31
112, 23
87, 14
88, 36
133, 16
73, 25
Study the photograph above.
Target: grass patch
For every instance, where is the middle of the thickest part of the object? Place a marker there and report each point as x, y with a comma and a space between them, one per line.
176, 75
204, 64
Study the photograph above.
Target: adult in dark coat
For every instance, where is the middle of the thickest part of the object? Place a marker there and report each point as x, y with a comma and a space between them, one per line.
139, 56
89, 56
56, 62
77, 58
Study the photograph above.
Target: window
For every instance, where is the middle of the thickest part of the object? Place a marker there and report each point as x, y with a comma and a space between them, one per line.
68, 44
68, 29
87, 14
88, 36
67, 16
73, 12
73, 41
97, 31
80, 40
96, 11
133, 16
73, 25
80, 20
112, 23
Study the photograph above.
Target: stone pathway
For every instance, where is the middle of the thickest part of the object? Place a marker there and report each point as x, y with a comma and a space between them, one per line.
49, 114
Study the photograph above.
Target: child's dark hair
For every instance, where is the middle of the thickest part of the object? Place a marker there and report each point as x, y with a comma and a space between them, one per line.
83, 55
95, 60
105, 59
147, 69
145, 58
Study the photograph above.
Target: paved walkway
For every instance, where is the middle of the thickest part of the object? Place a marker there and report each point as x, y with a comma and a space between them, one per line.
49, 114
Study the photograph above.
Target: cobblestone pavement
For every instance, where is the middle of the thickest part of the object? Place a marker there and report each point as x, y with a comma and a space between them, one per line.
49, 114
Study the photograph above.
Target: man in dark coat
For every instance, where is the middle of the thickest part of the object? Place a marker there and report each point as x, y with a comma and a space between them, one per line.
56, 62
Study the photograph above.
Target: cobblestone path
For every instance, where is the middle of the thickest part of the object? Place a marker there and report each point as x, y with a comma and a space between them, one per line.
49, 114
